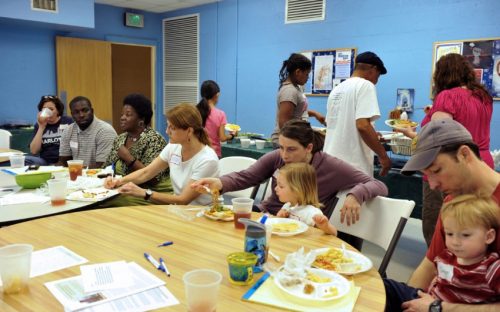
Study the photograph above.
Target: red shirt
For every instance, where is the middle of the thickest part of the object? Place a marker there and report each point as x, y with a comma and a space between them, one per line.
438, 240
475, 283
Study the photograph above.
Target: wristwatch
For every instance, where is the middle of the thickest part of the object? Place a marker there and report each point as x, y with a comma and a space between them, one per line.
149, 192
435, 306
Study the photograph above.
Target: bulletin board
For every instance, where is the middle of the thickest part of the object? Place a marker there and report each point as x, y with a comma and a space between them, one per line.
329, 68
483, 54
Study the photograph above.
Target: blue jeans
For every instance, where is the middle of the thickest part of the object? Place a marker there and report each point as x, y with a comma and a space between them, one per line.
34, 160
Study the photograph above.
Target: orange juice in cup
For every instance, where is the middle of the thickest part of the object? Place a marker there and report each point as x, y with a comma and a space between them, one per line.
75, 168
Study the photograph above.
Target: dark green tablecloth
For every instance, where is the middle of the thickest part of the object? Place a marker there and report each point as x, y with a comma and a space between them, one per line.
21, 139
235, 149
400, 186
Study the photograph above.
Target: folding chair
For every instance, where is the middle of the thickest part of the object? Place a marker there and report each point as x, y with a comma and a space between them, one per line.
237, 163
5, 138
381, 222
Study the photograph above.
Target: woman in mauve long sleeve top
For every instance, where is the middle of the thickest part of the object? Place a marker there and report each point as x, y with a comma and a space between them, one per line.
333, 175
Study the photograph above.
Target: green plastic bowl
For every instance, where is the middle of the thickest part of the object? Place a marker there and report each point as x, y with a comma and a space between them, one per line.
32, 180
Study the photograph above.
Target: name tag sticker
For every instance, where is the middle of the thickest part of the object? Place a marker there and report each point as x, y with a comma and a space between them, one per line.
445, 271
73, 144
176, 159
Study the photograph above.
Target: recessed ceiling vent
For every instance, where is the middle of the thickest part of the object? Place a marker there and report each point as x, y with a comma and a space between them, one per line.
44, 5
298, 11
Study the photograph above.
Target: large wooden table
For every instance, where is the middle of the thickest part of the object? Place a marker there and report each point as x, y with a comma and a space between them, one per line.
126, 233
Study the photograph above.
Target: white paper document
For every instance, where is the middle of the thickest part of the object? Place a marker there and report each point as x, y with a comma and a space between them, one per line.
53, 259
103, 276
69, 292
23, 198
148, 300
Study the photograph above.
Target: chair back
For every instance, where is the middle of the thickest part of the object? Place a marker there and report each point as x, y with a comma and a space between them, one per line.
381, 222
237, 163
5, 138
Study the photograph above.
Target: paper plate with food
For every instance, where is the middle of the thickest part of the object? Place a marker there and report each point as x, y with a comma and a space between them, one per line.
232, 127
219, 212
401, 123
344, 262
287, 227
92, 195
315, 285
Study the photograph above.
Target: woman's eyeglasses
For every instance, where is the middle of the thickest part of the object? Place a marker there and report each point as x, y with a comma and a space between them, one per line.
49, 97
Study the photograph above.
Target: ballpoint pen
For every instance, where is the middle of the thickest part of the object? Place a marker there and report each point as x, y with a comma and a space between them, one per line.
164, 267
166, 244
153, 261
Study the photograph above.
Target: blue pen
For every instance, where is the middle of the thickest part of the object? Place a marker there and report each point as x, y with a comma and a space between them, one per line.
263, 219
166, 244
153, 261
164, 267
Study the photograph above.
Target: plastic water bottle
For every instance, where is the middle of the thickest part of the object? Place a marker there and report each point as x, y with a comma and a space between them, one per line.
256, 241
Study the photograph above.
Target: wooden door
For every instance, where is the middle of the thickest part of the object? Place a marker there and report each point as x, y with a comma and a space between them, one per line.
84, 68
132, 73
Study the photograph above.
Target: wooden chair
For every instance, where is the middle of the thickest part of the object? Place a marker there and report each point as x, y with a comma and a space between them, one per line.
381, 222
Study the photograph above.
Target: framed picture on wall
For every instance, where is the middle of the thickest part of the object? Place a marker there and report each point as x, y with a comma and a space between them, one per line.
483, 55
329, 68
405, 98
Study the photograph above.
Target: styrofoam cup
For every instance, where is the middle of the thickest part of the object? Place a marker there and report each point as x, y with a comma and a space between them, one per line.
260, 144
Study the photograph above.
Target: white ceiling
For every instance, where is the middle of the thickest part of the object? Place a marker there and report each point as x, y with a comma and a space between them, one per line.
157, 6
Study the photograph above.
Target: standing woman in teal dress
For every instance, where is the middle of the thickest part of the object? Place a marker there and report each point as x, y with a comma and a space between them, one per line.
136, 148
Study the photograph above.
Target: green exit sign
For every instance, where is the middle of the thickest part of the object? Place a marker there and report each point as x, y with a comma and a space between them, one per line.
134, 20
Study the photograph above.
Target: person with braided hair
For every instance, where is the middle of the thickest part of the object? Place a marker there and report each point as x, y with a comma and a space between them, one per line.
291, 101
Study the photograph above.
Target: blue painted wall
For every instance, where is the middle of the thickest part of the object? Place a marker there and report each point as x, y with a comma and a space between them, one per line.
253, 40
79, 13
243, 44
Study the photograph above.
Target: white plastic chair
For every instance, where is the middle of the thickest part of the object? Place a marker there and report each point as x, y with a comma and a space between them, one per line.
237, 163
5, 138
381, 222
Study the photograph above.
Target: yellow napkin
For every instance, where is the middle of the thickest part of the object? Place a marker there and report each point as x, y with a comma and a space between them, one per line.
269, 294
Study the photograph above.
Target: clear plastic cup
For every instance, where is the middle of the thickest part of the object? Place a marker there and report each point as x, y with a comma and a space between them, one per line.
16, 160
242, 208
75, 168
15, 267
202, 287
57, 191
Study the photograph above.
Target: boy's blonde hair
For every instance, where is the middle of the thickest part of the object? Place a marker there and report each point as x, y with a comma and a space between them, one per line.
473, 210
301, 178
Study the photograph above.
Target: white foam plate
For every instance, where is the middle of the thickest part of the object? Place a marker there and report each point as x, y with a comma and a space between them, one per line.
212, 217
320, 289
96, 194
301, 229
364, 263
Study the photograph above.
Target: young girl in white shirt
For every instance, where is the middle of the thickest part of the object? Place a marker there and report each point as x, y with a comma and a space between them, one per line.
297, 187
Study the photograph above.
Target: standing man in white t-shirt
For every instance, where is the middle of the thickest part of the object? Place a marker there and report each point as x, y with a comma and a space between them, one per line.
352, 107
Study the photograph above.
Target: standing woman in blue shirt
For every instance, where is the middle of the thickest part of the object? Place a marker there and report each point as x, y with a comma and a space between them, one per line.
47, 133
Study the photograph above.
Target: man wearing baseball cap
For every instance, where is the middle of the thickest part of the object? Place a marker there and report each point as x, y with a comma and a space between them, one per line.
352, 107
446, 153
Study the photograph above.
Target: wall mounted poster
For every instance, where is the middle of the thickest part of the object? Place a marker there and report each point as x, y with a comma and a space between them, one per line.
405, 98
484, 56
329, 68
